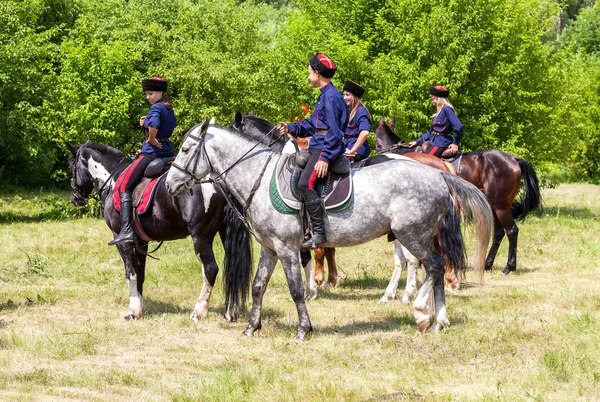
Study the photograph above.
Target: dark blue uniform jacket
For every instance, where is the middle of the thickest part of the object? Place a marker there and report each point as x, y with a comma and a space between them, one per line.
164, 120
326, 125
444, 124
359, 122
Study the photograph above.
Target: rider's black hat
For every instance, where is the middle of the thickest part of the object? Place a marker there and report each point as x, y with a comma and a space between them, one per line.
354, 89
323, 65
439, 91
155, 84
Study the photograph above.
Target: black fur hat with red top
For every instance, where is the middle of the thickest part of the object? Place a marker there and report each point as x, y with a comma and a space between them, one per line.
155, 84
323, 65
439, 91
354, 89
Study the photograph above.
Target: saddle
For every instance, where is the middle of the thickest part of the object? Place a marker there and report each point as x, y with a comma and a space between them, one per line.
336, 190
143, 194
447, 156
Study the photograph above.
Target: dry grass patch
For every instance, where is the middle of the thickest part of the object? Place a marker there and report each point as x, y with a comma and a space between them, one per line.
531, 335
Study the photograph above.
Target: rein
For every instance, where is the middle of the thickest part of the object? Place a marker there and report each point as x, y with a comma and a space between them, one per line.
224, 188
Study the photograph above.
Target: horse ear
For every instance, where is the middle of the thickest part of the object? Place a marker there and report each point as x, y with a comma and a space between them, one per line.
393, 122
381, 121
71, 149
238, 119
204, 127
212, 120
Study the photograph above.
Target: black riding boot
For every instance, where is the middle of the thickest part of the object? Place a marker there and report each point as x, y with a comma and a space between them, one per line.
126, 234
314, 208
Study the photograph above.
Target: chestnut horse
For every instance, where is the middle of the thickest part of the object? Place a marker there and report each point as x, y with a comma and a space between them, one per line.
498, 175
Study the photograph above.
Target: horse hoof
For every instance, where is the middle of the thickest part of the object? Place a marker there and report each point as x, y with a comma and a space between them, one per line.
129, 316
194, 316
249, 332
507, 271
423, 325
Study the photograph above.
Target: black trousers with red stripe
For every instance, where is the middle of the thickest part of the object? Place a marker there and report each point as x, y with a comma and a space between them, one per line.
135, 173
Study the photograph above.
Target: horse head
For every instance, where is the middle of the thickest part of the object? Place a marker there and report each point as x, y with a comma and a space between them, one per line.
92, 166
260, 130
190, 160
386, 140
81, 183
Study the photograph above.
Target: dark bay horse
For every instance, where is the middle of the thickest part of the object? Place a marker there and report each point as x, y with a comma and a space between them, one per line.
498, 175
394, 207
202, 213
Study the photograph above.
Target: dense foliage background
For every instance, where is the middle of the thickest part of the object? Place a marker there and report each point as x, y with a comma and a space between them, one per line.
524, 75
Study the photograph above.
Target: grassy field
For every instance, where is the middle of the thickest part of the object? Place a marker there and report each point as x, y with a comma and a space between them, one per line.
533, 335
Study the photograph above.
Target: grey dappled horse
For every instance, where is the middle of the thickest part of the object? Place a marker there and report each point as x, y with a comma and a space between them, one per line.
263, 131
201, 213
409, 201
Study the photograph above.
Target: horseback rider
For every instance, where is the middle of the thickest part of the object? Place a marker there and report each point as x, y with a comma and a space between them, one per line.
158, 125
445, 122
359, 124
326, 126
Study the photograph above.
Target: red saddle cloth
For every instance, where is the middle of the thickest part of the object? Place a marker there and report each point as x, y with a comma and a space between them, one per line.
145, 201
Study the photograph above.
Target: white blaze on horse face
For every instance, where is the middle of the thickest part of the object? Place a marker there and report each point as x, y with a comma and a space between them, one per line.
208, 191
99, 172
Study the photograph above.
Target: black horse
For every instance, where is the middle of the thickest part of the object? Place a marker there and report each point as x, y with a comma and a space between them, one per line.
201, 212
498, 175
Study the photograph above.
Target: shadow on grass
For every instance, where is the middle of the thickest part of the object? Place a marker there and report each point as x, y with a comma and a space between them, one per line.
43, 216
497, 269
364, 283
556, 212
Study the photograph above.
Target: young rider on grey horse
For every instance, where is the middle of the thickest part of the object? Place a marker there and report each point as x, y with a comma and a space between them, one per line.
326, 125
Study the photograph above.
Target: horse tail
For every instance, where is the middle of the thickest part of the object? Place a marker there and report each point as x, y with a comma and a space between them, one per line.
531, 198
451, 243
237, 264
475, 209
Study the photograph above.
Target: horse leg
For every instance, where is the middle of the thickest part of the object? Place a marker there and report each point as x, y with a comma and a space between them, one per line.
319, 257
266, 265
498, 236
289, 262
434, 266
333, 280
311, 285
412, 267
451, 281
441, 315
210, 269
512, 233
399, 264
135, 265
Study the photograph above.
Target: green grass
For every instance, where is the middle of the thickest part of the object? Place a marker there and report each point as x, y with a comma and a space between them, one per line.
530, 336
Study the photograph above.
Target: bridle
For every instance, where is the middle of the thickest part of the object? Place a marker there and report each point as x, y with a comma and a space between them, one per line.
85, 194
219, 181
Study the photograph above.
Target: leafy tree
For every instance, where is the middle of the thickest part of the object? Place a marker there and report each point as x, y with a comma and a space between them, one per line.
29, 59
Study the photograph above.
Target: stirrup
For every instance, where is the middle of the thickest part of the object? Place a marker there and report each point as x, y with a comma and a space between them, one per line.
119, 239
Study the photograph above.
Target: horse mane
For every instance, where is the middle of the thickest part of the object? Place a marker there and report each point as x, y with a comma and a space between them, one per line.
260, 121
244, 137
113, 155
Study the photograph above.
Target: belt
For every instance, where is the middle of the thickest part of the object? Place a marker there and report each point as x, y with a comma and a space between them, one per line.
350, 136
321, 132
163, 140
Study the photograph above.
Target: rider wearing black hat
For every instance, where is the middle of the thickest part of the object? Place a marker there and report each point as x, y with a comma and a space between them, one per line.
158, 125
326, 128
446, 129
359, 124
